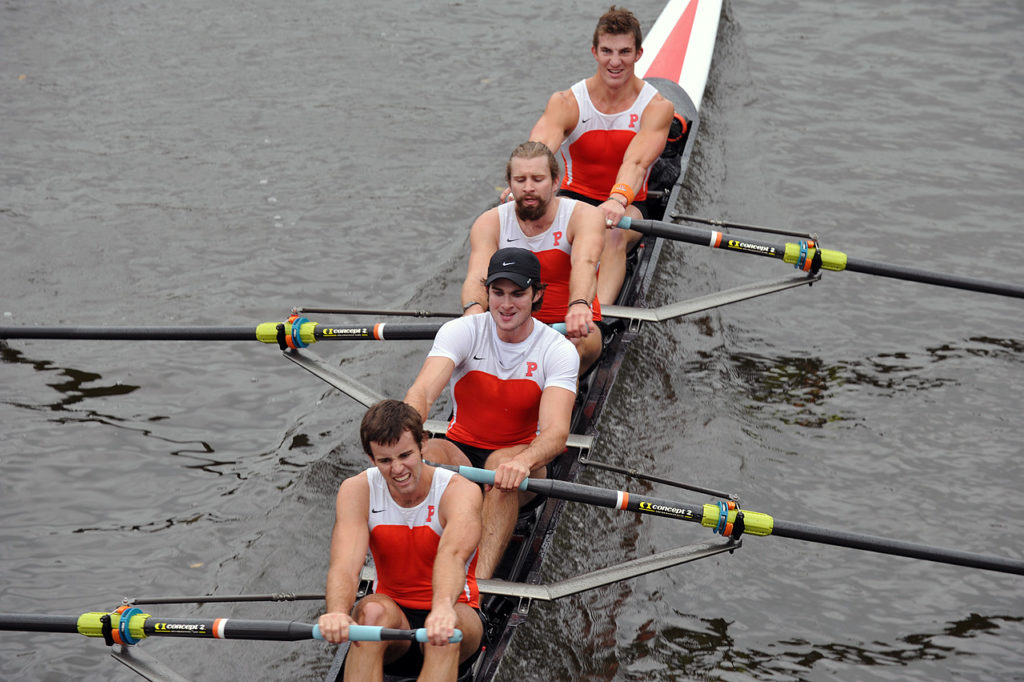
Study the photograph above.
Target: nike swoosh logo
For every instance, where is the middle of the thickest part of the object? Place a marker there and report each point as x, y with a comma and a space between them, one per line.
376, 511
584, 120
505, 265
476, 358
512, 239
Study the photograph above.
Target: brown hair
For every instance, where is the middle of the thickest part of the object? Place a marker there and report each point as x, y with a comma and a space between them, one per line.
619, 22
386, 421
532, 150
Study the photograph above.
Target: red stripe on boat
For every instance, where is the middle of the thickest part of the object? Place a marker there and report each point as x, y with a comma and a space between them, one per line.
669, 62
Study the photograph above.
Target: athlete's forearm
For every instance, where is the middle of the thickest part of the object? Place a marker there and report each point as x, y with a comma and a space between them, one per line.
548, 444
341, 592
583, 282
631, 172
473, 291
448, 580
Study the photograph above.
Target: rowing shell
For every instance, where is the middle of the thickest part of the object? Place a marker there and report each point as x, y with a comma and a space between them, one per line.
676, 60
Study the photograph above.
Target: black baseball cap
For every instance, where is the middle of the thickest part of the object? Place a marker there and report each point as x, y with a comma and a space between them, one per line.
519, 266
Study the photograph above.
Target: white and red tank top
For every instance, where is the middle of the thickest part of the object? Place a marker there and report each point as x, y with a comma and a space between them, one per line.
496, 386
554, 252
404, 540
593, 151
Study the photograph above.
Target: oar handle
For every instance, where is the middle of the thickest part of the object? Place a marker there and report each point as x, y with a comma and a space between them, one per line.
484, 476
375, 633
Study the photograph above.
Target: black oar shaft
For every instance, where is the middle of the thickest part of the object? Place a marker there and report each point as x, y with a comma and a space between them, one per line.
384, 331
132, 333
742, 226
266, 332
131, 626
213, 628
614, 499
212, 598
368, 311
586, 461
31, 622
830, 260
871, 543
755, 523
229, 628
870, 267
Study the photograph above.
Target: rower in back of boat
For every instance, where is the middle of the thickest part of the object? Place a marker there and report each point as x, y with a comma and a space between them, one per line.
610, 129
422, 526
566, 235
513, 384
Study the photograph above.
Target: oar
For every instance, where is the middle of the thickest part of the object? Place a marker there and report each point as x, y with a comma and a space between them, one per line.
807, 256
300, 333
743, 226
132, 625
724, 520
366, 311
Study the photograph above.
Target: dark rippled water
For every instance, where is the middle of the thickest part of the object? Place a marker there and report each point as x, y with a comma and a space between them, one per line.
217, 163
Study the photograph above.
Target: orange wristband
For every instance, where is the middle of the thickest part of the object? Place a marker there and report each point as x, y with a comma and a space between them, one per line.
625, 190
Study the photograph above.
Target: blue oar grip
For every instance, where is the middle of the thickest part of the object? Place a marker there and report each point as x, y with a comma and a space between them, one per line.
559, 327
316, 632
372, 633
421, 636
625, 222
484, 476
364, 633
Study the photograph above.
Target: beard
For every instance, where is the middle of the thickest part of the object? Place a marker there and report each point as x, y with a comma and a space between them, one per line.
532, 212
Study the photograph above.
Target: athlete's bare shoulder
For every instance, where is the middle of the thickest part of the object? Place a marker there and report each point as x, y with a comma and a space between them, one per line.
658, 113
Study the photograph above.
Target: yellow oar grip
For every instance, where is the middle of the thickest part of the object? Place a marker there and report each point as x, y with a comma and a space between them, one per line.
833, 260
89, 624
266, 332
754, 523
830, 260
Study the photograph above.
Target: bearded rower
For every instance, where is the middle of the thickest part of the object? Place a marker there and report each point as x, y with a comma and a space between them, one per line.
566, 235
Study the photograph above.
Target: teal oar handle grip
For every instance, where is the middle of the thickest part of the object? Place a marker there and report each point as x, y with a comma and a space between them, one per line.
625, 222
559, 327
421, 636
375, 633
484, 476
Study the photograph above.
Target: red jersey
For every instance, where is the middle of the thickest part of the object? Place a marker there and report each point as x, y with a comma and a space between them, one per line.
554, 252
404, 540
594, 149
496, 386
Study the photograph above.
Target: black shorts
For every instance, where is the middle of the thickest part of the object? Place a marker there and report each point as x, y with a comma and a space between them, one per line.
410, 663
477, 456
640, 205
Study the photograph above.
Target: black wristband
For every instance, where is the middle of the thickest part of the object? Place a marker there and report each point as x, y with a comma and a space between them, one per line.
578, 300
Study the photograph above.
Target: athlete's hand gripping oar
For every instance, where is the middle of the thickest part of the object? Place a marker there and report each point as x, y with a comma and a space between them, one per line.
132, 625
806, 256
731, 521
